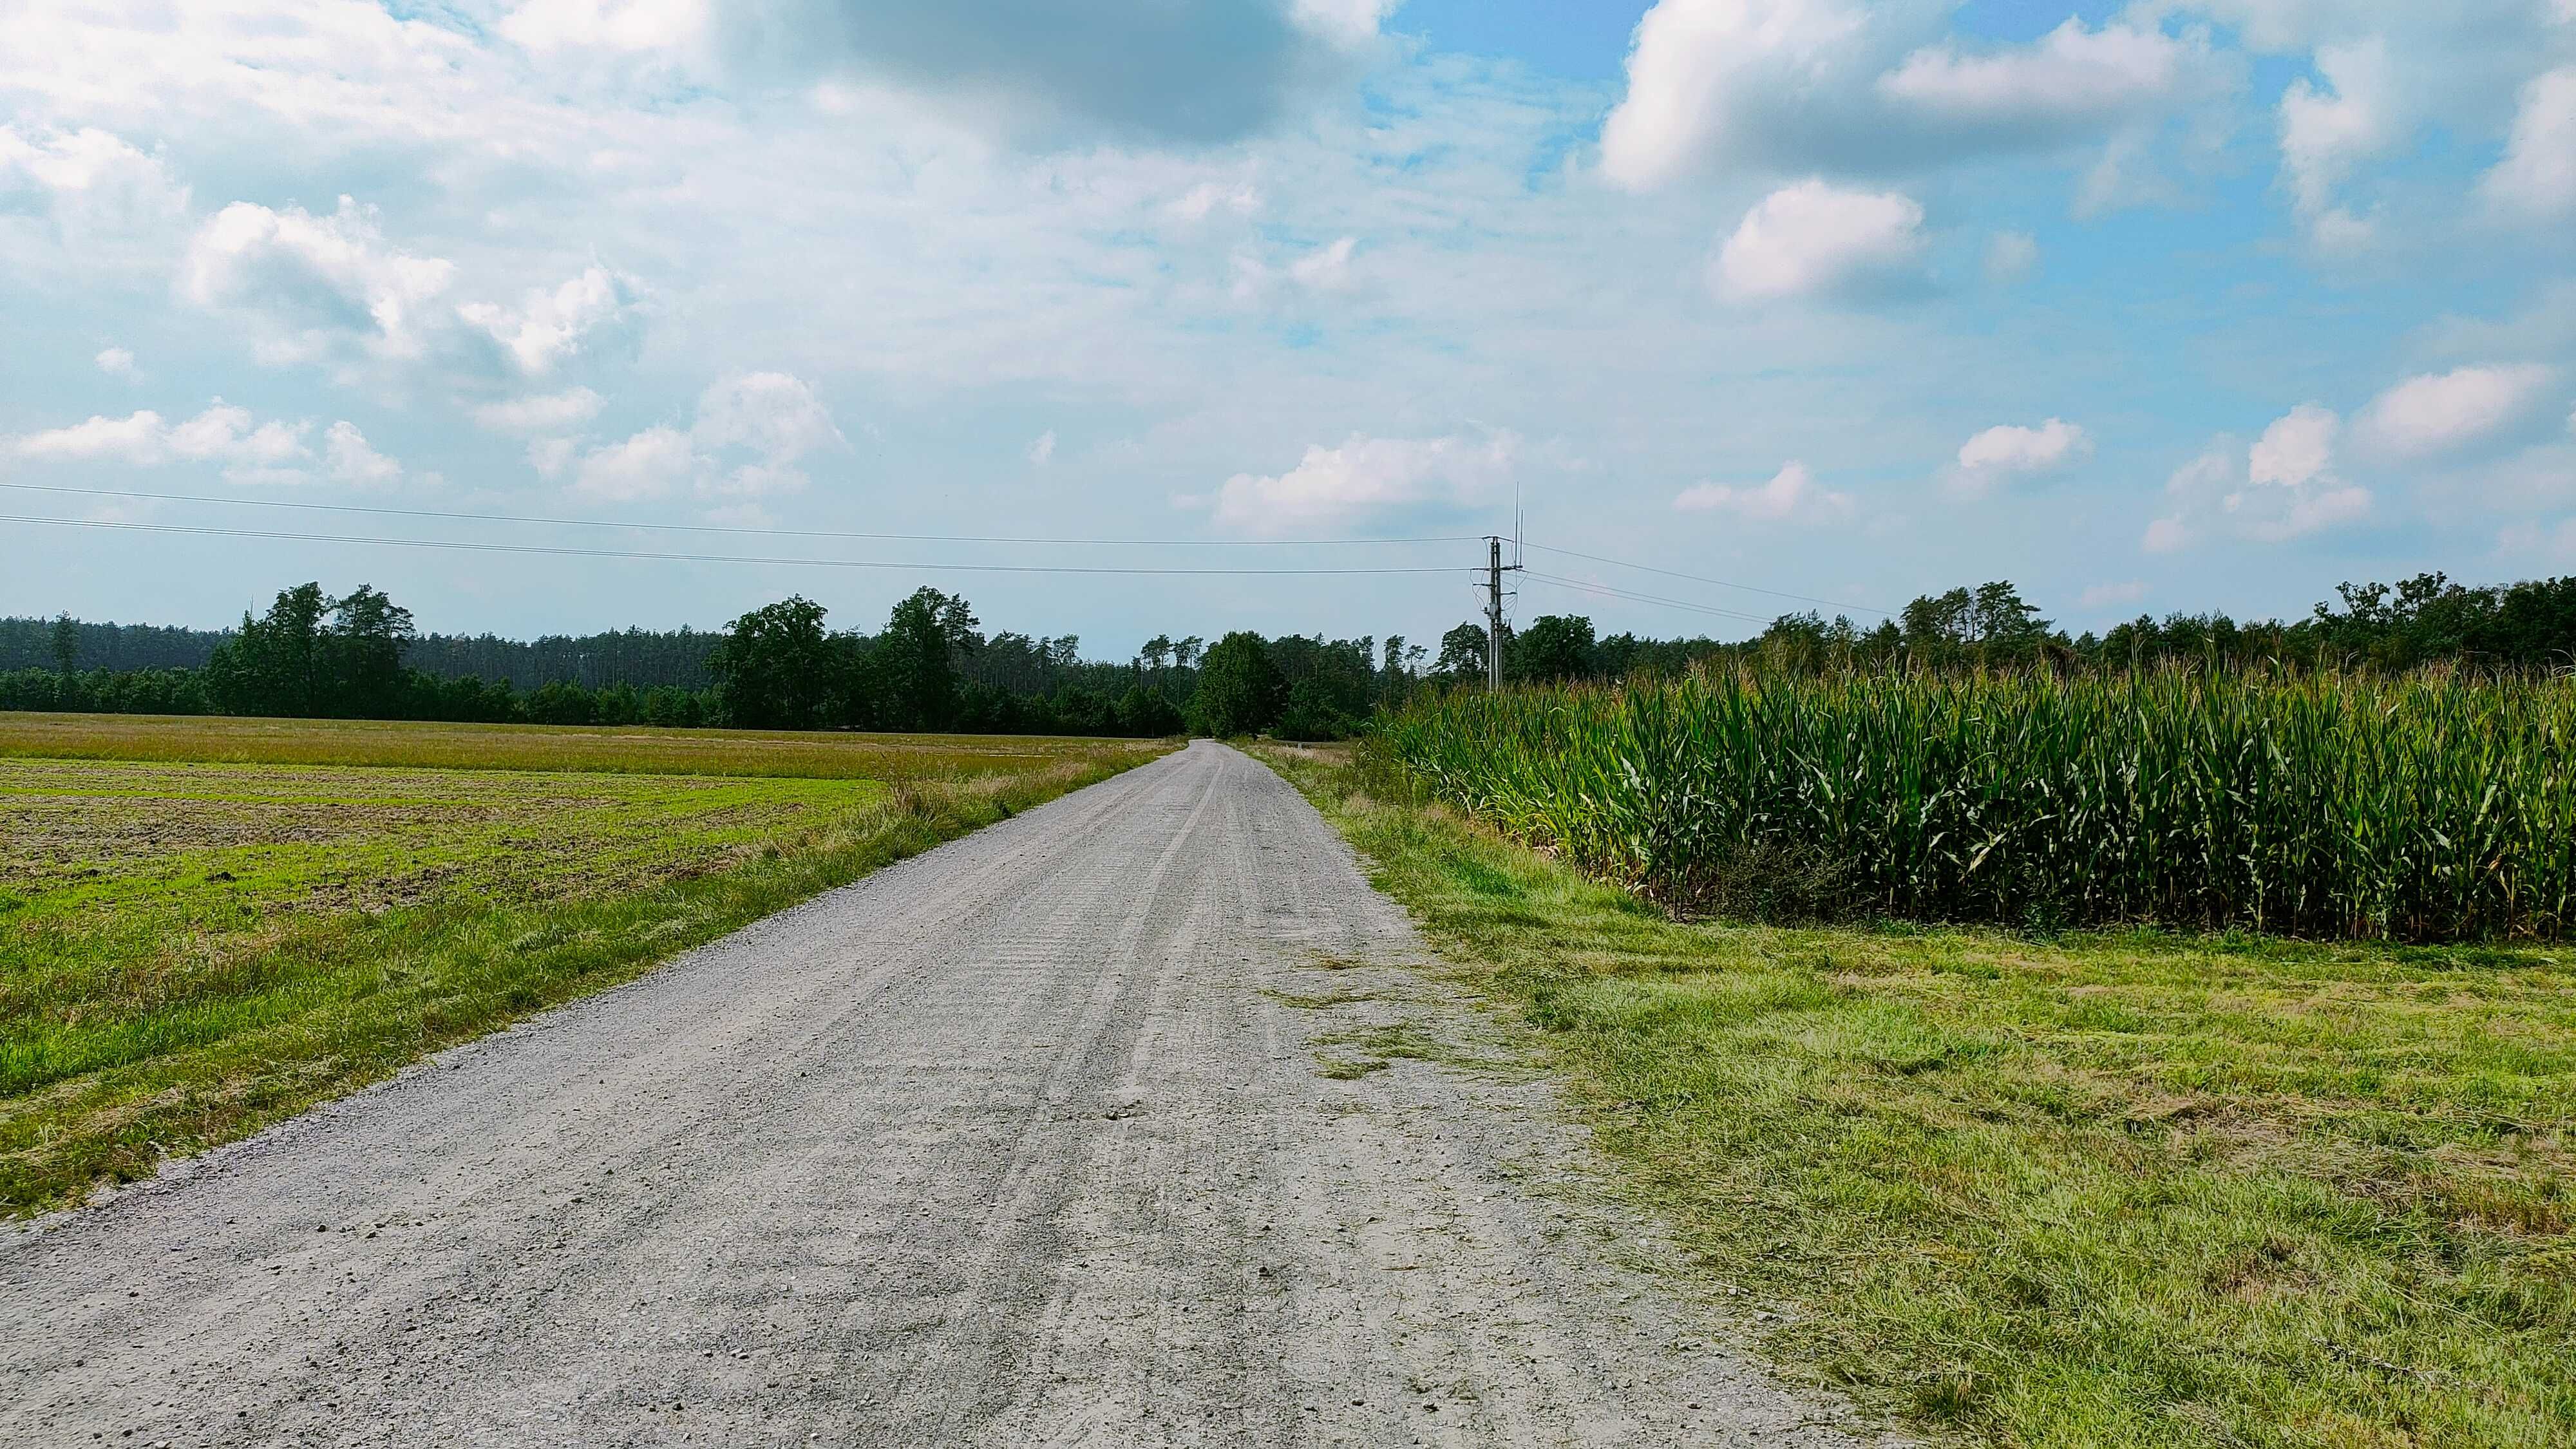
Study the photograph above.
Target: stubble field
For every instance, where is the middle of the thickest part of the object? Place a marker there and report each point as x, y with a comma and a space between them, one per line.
207, 925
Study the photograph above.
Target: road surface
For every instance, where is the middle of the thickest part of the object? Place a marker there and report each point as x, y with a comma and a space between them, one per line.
1024, 1141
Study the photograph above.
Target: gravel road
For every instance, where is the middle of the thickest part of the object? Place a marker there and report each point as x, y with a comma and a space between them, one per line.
1028, 1140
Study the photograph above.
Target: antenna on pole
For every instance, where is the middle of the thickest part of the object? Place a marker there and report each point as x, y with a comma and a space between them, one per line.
1495, 568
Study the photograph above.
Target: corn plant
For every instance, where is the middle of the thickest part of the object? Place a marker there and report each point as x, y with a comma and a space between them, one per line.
2439, 807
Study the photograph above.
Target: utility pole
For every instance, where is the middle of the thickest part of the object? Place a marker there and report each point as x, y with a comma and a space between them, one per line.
1495, 568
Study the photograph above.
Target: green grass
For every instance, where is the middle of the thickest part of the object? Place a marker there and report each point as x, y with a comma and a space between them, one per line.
190, 951
2105, 1189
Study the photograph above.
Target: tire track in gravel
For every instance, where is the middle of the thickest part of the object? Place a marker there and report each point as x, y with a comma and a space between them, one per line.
1020, 1141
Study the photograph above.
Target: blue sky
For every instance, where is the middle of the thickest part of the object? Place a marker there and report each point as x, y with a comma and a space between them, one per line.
2196, 303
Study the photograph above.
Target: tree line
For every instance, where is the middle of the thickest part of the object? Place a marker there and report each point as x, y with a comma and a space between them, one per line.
2523, 627
645, 658
933, 667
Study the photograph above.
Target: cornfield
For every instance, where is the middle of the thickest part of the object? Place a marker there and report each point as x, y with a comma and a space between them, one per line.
2432, 808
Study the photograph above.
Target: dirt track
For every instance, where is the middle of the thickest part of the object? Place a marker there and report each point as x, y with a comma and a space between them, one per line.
1023, 1141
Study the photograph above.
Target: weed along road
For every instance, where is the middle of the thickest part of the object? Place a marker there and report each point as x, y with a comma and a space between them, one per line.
1119, 1122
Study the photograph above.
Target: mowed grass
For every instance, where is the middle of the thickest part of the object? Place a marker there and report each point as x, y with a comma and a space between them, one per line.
190, 951
2111, 1189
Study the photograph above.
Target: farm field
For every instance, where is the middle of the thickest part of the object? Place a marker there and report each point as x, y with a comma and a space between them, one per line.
2061, 1188
614, 749
2433, 807
207, 925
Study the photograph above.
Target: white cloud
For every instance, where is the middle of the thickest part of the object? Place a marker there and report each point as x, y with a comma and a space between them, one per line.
2327, 129
118, 362
2443, 412
750, 433
1814, 240
1697, 73
2296, 449
550, 326
1792, 495
2010, 256
1345, 23
2070, 80
2537, 176
1794, 85
541, 413
2006, 454
1042, 451
350, 460
769, 413
316, 282
250, 450
654, 463
1365, 479
98, 189
550, 27
2282, 487
326, 288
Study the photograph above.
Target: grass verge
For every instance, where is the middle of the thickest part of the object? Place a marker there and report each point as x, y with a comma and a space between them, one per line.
2099, 1189
190, 952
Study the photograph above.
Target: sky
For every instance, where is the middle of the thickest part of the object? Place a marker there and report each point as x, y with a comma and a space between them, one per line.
2178, 305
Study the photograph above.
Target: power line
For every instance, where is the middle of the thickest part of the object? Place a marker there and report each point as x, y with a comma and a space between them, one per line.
1700, 579
829, 563
725, 528
1605, 591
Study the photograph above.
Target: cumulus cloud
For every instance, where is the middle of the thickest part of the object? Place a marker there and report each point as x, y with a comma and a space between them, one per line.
1815, 240
249, 450
2440, 413
1792, 496
1792, 85
332, 288
2537, 176
654, 463
2284, 486
2070, 81
2326, 129
549, 326
316, 282
97, 188
751, 433
1042, 451
118, 362
1367, 480
349, 460
556, 412
2003, 455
